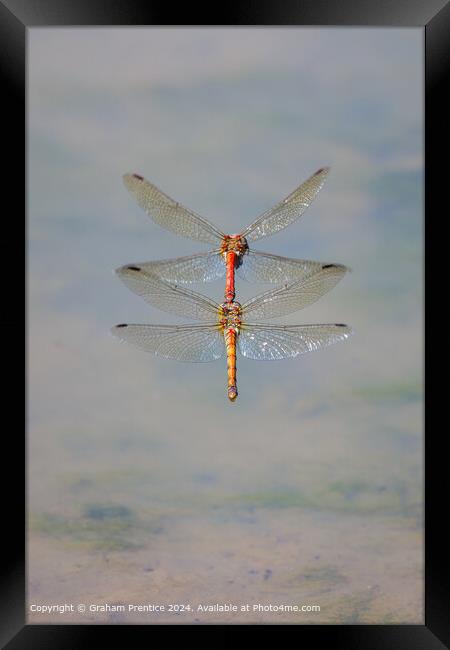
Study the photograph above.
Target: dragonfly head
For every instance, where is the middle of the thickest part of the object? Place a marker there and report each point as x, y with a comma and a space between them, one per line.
230, 315
233, 307
234, 243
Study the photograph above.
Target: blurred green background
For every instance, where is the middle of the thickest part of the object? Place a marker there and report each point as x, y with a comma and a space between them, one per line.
144, 482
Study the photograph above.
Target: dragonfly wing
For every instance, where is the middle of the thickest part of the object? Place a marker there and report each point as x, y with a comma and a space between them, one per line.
166, 296
295, 295
257, 266
202, 267
180, 342
266, 343
288, 210
169, 213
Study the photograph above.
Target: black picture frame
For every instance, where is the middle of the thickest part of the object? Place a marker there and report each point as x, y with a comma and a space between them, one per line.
16, 17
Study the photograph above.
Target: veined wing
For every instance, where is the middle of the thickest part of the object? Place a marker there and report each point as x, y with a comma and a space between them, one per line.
257, 266
202, 267
166, 296
288, 210
169, 213
295, 295
180, 342
267, 342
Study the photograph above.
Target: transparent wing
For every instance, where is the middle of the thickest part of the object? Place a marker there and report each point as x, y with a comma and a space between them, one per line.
256, 266
180, 342
266, 343
295, 295
169, 213
288, 210
166, 296
202, 267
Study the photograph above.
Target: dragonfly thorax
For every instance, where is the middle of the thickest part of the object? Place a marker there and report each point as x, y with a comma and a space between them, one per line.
235, 244
230, 315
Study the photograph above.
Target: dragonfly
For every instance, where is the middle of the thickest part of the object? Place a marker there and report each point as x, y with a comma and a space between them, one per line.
229, 326
231, 252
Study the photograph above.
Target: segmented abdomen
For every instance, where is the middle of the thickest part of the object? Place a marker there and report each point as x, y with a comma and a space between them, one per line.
229, 286
230, 340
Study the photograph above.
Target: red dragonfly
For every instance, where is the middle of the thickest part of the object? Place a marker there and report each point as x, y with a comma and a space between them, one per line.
231, 252
228, 326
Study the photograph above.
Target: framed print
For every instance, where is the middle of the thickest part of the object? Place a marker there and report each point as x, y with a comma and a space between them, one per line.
303, 492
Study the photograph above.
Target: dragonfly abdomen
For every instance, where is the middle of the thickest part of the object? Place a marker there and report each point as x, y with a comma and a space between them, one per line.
230, 341
233, 247
229, 286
